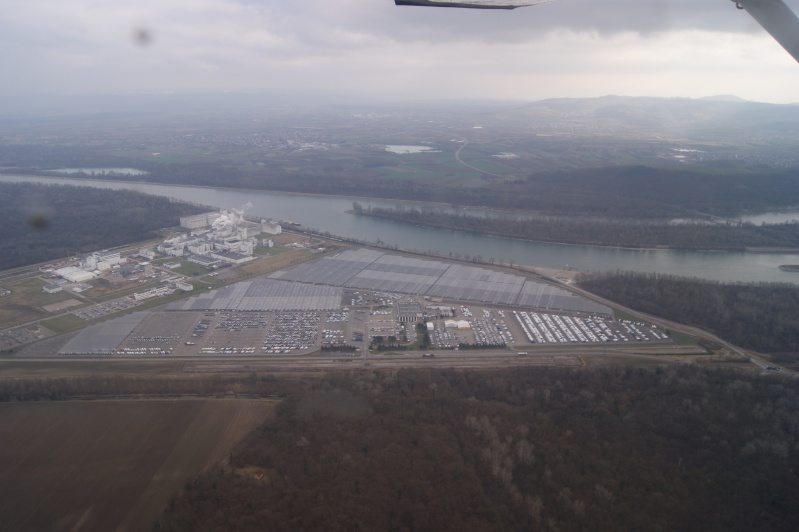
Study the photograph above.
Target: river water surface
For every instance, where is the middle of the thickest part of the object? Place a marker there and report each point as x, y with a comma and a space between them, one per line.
329, 214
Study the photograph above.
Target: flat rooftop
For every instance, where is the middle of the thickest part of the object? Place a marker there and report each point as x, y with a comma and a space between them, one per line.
375, 270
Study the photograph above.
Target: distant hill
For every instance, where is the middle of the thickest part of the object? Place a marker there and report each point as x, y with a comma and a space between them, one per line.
723, 98
675, 116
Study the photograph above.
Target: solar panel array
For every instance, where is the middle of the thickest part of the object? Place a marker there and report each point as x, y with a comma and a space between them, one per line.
265, 295
335, 271
540, 295
478, 284
392, 273
373, 270
103, 338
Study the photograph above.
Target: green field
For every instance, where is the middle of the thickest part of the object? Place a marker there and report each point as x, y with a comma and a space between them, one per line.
190, 269
65, 323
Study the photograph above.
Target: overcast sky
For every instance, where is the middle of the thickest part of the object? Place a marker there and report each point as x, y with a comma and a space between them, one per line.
570, 48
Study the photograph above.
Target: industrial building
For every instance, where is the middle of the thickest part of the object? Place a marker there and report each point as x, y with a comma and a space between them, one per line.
199, 220
147, 253
218, 238
102, 261
231, 257
271, 228
207, 262
74, 275
152, 292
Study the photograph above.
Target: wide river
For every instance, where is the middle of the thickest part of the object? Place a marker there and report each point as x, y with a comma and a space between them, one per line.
329, 214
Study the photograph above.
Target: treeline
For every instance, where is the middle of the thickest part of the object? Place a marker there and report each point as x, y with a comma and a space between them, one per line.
598, 232
761, 316
668, 448
338, 349
479, 346
387, 347
109, 386
44, 222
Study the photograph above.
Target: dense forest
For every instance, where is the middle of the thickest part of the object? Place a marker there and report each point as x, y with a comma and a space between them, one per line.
598, 232
44, 222
667, 448
762, 316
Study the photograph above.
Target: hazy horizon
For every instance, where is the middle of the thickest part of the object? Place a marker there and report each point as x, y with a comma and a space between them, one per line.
81, 104
372, 50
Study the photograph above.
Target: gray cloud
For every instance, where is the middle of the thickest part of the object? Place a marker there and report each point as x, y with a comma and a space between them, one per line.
570, 47
524, 24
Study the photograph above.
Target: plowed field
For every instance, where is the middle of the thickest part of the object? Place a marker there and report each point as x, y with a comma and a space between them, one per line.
110, 465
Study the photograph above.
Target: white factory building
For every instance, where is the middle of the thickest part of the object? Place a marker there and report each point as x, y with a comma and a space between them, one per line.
199, 220
74, 275
102, 261
186, 287
271, 228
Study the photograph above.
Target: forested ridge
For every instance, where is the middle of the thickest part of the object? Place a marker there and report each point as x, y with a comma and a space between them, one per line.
763, 316
669, 448
44, 222
599, 232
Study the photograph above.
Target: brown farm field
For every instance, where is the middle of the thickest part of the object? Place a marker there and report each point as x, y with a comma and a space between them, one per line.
111, 465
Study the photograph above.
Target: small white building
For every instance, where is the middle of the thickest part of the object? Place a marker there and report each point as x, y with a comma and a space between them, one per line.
52, 288
152, 292
147, 253
186, 287
173, 252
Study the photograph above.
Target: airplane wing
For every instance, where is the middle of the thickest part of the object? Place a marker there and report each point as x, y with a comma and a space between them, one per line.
777, 19
472, 4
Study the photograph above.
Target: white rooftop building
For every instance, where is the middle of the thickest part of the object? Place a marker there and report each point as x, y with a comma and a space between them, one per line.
74, 275
199, 220
269, 227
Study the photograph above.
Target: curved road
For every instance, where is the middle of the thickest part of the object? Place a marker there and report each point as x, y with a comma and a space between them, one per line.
458, 158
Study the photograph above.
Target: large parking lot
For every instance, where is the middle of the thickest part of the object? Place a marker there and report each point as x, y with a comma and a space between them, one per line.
366, 314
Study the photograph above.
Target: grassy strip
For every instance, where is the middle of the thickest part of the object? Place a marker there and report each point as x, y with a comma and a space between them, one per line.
65, 323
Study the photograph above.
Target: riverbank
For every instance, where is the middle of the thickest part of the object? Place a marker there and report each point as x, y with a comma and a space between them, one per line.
329, 214
618, 230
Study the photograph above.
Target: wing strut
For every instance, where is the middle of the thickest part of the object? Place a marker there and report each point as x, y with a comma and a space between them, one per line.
777, 19
472, 4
